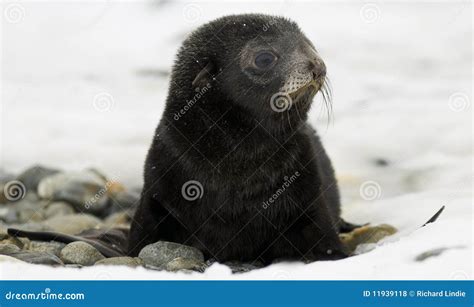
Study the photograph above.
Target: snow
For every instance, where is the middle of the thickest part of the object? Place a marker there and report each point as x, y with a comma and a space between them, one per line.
84, 84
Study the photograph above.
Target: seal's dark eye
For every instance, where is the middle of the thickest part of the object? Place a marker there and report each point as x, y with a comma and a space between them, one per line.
264, 59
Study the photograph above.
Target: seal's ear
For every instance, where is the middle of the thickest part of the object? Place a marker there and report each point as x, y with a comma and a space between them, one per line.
204, 76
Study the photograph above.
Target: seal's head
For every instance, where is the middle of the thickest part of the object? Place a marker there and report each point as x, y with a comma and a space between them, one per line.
262, 64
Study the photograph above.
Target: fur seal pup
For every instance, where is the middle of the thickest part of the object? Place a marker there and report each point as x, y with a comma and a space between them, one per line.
233, 168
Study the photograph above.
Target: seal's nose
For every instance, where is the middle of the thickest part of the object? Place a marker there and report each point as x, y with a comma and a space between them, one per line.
318, 68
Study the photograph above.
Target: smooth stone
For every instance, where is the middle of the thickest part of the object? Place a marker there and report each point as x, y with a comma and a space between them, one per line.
20, 242
8, 214
21, 211
162, 252
6, 249
80, 253
179, 263
365, 235
36, 257
73, 223
127, 261
85, 191
52, 247
33, 175
32, 226
59, 208
27, 215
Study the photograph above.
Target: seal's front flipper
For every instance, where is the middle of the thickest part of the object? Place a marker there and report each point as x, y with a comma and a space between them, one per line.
346, 227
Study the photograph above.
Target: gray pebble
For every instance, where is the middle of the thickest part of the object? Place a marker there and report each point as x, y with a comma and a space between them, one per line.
127, 261
36, 257
6, 249
179, 264
73, 223
52, 247
162, 252
86, 190
80, 253
33, 175
59, 208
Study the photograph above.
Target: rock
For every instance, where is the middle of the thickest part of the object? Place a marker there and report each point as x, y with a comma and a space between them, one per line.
8, 214
33, 175
85, 191
127, 261
179, 263
59, 208
36, 257
32, 226
366, 234
241, 267
22, 211
160, 253
6, 249
80, 253
28, 212
73, 223
52, 247
20, 242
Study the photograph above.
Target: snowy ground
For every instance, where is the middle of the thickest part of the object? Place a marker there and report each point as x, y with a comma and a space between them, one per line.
83, 84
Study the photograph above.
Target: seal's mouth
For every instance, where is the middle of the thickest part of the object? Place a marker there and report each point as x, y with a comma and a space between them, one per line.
306, 92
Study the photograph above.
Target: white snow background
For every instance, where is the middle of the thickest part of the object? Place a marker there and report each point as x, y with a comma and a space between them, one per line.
84, 84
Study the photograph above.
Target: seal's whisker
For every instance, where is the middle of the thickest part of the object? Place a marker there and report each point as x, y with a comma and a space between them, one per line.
326, 92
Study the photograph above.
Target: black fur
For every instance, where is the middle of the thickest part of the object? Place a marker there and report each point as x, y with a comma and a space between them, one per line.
241, 152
